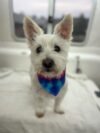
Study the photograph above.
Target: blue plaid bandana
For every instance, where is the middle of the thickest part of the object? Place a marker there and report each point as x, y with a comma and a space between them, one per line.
52, 85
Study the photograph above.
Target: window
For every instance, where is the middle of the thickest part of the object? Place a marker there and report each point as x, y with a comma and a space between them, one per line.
36, 9
81, 11
49, 12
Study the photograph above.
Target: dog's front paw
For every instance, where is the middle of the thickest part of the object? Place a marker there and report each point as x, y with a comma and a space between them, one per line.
59, 111
39, 114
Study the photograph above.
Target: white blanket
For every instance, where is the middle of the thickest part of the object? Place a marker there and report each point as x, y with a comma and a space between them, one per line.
82, 108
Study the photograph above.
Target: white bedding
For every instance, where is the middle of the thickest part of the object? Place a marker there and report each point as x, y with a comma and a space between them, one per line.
82, 108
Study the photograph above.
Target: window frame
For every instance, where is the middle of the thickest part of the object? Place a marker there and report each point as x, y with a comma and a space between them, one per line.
89, 26
49, 27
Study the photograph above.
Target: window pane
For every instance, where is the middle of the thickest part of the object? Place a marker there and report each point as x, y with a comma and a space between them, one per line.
36, 9
81, 11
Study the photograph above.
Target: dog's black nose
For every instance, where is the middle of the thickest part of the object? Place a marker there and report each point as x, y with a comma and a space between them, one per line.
48, 63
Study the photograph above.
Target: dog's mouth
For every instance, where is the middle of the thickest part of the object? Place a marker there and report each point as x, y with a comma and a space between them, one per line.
48, 71
51, 74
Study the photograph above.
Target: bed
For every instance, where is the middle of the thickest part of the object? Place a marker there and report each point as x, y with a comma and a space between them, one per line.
82, 107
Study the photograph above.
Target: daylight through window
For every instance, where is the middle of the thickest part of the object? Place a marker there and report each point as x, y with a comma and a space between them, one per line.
39, 11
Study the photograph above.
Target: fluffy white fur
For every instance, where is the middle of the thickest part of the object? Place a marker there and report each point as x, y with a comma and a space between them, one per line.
35, 37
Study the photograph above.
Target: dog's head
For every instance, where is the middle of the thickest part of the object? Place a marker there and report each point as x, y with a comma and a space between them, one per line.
49, 51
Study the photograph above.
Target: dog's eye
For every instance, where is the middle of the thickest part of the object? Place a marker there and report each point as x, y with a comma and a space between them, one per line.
39, 50
57, 48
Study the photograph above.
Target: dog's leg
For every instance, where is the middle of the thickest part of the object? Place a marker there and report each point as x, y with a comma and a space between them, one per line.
58, 100
40, 103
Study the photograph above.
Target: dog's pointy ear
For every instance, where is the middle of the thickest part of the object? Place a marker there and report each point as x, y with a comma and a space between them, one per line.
31, 29
65, 27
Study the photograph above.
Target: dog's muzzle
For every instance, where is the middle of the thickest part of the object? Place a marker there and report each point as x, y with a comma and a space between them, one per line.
48, 64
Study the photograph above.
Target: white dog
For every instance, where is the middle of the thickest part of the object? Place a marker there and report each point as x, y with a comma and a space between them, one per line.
48, 62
